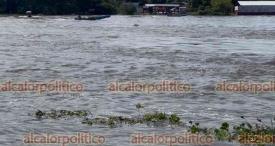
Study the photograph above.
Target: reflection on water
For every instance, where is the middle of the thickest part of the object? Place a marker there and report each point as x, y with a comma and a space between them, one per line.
199, 50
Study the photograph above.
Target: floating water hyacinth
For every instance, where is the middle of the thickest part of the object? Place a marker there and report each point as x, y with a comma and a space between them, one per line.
55, 114
225, 132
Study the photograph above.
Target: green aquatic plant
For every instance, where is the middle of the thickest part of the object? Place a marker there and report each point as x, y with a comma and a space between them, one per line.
87, 121
114, 121
111, 123
256, 128
55, 114
125, 120
238, 133
155, 117
247, 129
195, 128
81, 113
103, 121
174, 119
223, 134
158, 118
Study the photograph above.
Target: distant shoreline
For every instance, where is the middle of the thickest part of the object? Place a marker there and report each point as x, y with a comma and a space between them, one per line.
188, 14
19, 14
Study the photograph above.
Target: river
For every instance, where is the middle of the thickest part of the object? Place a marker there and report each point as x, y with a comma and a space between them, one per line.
199, 50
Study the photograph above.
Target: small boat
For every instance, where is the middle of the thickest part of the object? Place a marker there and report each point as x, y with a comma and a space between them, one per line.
176, 14
94, 17
27, 17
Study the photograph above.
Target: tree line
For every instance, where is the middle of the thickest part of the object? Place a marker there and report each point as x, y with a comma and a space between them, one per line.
211, 7
60, 7
63, 7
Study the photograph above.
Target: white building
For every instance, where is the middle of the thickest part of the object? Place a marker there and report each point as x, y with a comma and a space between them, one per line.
255, 8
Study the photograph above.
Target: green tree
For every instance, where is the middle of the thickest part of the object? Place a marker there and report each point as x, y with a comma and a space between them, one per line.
2, 6
127, 9
223, 7
106, 8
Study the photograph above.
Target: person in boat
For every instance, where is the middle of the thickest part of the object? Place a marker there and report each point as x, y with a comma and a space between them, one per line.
79, 17
29, 14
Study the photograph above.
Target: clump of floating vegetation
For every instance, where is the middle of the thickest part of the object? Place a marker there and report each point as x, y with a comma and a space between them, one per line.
157, 118
254, 133
114, 121
56, 114
258, 128
162, 117
195, 128
244, 133
174, 119
222, 133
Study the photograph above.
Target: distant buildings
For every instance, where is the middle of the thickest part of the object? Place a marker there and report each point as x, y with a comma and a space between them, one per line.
255, 8
164, 9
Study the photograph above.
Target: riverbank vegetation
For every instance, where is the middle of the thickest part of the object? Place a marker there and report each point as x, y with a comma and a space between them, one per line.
211, 7
60, 7
129, 7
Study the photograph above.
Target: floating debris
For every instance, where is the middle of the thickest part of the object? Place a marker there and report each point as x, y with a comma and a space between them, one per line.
39, 114
139, 106
223, 133
55, 114
114, 121
245, 133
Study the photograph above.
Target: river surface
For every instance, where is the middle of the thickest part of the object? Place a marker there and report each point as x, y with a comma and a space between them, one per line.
199, 50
